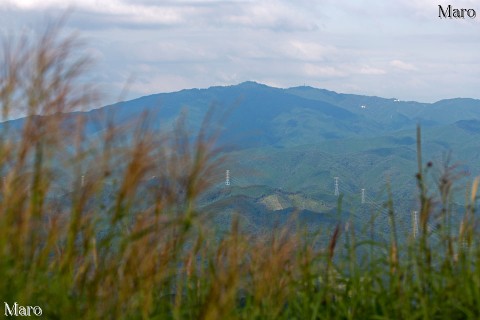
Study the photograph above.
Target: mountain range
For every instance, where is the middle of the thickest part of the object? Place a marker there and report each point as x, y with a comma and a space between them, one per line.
285, 146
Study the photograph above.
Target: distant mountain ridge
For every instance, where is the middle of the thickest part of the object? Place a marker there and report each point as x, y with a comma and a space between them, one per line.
274, 115
285, 146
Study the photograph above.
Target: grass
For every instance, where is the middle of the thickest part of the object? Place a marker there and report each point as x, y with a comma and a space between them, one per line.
147, 252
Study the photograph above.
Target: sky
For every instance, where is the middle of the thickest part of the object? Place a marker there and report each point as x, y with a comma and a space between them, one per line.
393, 49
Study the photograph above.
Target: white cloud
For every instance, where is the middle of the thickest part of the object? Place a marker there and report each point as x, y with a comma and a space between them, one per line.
367, 70
269, 14
313, 70
337, 44
308, 51
403, 65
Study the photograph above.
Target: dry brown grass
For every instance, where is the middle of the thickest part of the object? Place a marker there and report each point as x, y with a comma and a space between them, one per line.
84, 236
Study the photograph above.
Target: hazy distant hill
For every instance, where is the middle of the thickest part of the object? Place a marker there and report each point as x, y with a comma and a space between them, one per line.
285, 146
274, 112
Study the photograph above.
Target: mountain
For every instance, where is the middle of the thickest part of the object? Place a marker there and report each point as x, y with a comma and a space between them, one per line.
285, 146
257, 115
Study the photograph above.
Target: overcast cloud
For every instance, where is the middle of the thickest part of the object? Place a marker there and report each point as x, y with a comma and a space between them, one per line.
386, 48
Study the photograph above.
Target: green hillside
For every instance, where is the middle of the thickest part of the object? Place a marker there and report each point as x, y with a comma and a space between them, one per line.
284, 147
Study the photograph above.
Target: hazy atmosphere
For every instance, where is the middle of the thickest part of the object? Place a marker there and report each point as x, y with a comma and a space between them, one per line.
398, 49
239, 159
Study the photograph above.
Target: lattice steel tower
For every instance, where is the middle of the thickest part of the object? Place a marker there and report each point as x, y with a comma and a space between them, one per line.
337, 192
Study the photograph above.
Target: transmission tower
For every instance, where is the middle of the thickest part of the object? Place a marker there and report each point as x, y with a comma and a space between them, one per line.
227, 177
363, 196
337, 193
415, 223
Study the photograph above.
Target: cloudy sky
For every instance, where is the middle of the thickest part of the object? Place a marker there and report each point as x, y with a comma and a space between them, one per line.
386, 48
